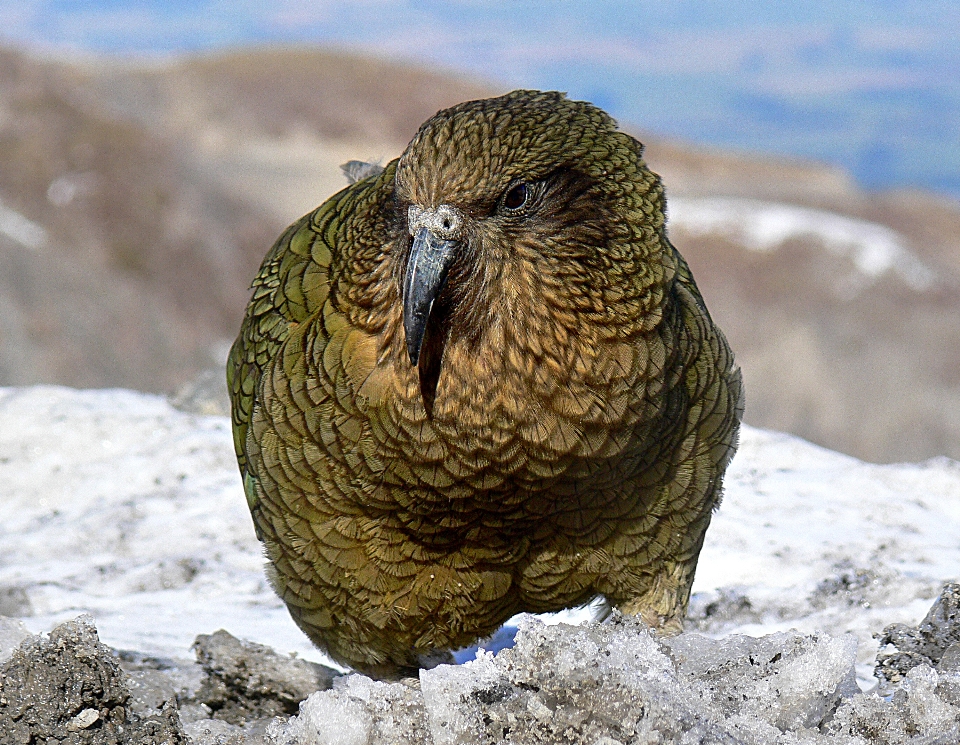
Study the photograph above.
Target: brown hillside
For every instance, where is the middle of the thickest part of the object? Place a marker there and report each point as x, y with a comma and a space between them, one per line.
161, 186
132, 174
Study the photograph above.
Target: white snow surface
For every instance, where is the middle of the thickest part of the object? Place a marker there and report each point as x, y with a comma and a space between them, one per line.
874, 249
24, 231
115, 504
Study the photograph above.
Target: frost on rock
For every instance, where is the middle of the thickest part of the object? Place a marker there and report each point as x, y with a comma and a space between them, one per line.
69, 687
613, 682
935, 641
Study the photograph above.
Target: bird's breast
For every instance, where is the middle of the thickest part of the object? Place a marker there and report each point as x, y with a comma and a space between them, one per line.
507, 422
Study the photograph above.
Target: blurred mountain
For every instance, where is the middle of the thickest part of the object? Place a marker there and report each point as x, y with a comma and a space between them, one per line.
843, 306
137, 199
872, 86
133, 261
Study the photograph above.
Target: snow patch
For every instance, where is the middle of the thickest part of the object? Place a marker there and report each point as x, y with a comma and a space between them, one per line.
114, 503
874, 249
24, 231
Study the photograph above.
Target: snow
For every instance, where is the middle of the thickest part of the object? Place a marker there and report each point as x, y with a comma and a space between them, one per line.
874, 249
115, 504
21, 229
618, 682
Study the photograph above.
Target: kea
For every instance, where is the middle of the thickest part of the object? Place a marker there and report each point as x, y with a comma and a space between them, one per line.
480, 381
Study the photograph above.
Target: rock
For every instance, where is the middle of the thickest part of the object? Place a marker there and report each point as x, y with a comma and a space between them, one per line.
247, 681
904, 647
69, 687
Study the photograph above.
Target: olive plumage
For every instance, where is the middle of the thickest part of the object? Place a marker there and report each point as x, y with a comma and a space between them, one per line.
481, 381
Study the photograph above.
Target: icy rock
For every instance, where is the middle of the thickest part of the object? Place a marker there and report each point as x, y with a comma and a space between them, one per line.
357, 711
247, 681
12, 633
617, 682
609, 683
578, 684
455, 696
51, 688
904, 647
918, 714
601, 680
789, 680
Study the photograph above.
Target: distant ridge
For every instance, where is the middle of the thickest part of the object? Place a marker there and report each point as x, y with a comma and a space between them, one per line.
158, 187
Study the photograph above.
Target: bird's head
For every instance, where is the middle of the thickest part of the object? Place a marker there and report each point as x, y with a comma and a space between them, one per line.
525, 193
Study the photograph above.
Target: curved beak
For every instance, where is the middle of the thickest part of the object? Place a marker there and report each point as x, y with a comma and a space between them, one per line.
427, 268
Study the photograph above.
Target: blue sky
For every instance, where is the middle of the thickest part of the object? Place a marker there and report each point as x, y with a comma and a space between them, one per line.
872, 86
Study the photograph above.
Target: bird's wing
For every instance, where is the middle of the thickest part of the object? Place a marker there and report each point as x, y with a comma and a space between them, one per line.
293, 283
685, 277
713, 379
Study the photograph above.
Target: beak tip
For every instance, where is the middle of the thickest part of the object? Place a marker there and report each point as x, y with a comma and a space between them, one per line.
414, 342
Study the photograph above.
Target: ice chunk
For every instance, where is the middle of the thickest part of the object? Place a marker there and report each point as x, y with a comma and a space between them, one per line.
328, 719
357, 711
12, 632
789, 680
618, 682
609, 682
455, 697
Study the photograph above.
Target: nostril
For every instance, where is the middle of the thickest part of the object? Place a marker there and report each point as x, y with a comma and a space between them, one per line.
446, 224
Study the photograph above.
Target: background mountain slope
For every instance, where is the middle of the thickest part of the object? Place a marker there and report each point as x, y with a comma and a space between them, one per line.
139, 198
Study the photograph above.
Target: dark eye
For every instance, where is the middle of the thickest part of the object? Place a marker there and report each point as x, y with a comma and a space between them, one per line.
516, 197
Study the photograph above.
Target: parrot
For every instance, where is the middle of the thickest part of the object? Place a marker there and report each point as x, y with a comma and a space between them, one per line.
480, 381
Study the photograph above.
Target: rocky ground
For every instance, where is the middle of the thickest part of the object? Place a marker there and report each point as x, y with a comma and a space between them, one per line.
807, 622
608, 683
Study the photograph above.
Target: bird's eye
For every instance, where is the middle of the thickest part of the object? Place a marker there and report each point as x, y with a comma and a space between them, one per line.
516, 197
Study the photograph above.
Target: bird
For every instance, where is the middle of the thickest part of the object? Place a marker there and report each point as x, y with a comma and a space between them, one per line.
480, 381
